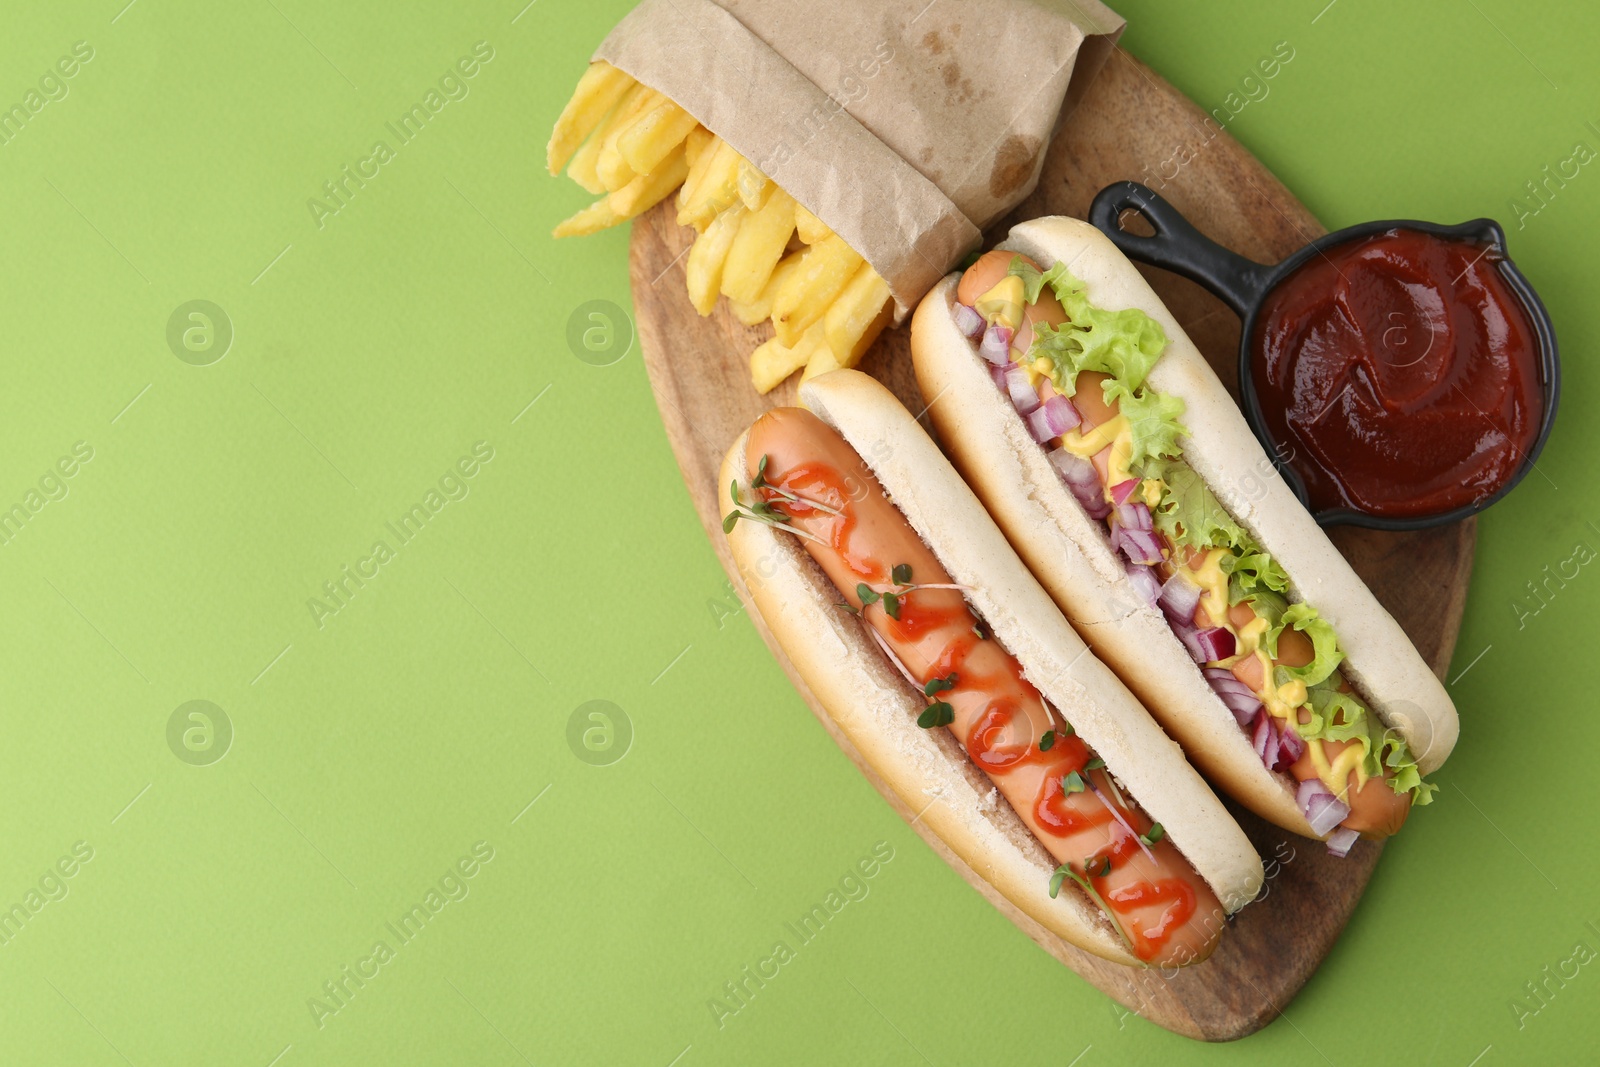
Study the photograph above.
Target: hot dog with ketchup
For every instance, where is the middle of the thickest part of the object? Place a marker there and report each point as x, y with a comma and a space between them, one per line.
1125, 476
948, 669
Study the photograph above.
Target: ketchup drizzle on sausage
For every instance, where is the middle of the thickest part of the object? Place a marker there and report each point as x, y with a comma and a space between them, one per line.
1169, 914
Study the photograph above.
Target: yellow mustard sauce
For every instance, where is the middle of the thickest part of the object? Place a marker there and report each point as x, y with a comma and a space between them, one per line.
1002, 305
1115, 433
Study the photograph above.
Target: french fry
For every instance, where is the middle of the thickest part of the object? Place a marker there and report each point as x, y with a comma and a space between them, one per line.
754, 186
697, 173
695, 143
717, 189
613, 170
708, 255
821, 362
648, 190
598, 91
584, 168
771, 256
806, 294
592, 219
772, 362
654, 136
812, 229
763, 236
699, 148
760, 309
857, 316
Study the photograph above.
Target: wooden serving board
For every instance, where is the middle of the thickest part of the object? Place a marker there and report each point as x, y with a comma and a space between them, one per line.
1132, 124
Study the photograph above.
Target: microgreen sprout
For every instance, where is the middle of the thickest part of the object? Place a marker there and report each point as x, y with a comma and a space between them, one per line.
758, 510
939, 713
900, 576
1093, 867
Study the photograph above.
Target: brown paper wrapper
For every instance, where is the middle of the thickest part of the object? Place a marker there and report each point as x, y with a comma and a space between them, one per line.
906, 126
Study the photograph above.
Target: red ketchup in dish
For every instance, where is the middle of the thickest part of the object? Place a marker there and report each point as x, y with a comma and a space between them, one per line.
1403, 371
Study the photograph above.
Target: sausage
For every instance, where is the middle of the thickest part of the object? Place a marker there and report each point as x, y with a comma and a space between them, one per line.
1165, 909
990, 269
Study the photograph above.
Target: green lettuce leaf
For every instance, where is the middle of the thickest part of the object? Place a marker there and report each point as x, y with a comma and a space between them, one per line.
1337, 716
1189, 513
1032, 278
1255, 569
1407, 778
1123, 344
1263, 602
1325, 645
1152, 422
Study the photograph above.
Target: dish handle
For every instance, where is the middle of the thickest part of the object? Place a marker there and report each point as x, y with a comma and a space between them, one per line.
1178, 246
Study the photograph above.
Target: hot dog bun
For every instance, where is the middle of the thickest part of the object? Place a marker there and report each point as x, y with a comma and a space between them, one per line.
1071, 556
877, 709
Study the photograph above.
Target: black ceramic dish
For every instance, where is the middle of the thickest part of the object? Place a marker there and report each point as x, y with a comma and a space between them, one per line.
1243, 284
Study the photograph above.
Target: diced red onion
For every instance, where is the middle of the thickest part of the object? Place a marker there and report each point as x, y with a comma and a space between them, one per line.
1339, 842
1222, 680
1277, 745
999, 376
1053, 418
1144, 581
1140, 546
1024, 397
1180, 597
1074, 469
996, 345
1266, 741
1123, 490
1135, 516
1067, 411
1216, 643
968, 321
1291, 746
1186, 634
1080, 477
1323, 810
1235, 694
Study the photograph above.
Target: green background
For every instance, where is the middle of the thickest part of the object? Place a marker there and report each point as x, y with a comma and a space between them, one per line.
372, 752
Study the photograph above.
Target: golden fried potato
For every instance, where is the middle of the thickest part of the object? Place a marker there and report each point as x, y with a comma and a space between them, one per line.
773, 361
598, 92
648, 190
826, 269
613, 170
592, 219
718, 187
812, 229
763, 236
708, 255
858, 315
760, 309
655, 136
